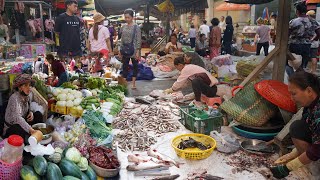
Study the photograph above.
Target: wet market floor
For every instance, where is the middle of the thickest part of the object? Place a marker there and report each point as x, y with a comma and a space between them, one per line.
145, 87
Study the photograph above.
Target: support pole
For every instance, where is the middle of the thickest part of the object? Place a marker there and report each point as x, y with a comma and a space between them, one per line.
41, 17
50, 17
280, 60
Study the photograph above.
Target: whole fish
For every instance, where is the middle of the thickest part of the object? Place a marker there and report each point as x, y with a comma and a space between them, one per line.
137, 158
165, 159
173, 177
209, 177
145, 166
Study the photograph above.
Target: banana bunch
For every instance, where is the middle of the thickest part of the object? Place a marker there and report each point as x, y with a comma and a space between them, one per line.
166, 7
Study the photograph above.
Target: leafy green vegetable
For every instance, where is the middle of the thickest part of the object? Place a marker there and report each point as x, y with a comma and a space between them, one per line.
69, 85
41, 87
96, 124
96, 82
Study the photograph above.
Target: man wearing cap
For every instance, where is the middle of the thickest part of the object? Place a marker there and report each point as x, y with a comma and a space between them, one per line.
314, 44
18, 117
68, 28
99, 37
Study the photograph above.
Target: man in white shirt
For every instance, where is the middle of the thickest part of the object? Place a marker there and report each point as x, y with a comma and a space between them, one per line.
222, 24
204, 29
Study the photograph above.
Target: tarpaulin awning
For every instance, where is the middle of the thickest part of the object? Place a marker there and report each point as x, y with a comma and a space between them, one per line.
233, 7
248, 1
313, 1
111, 7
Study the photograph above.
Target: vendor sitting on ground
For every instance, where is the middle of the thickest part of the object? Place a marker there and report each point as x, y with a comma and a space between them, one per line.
193, 58
202, 46
305, 133
202, 81
18, 117
173, 45
58, 69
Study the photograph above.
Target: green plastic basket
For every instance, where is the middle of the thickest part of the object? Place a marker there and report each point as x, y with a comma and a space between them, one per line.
202, 124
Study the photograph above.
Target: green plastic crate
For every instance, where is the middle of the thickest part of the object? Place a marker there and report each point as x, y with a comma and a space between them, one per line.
198, 125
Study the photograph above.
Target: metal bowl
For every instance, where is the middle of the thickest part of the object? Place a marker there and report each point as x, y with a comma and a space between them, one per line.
257, 147
46, 130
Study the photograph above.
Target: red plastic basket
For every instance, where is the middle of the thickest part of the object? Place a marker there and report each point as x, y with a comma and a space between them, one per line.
277, 93
10, 171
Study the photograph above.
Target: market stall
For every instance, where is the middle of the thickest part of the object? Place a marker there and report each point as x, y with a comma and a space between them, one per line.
32, 25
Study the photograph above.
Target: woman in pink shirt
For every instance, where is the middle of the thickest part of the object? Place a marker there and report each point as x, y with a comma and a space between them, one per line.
202, 81
215, 38
99, 37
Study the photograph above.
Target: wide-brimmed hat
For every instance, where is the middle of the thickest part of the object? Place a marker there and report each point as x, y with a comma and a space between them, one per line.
311, 13
22, 79
98, 17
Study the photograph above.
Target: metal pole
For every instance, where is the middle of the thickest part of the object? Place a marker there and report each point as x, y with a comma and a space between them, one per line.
50, 17
41, 17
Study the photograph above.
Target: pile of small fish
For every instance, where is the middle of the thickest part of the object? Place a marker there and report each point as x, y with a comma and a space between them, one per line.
241, 161
139, 122
202, 175
191, 143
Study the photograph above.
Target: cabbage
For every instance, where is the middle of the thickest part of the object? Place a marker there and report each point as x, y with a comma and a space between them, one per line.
83, 164
62, 97
61, 103
70, 97
69, 103
56, 91
69, 90
64, 91
94, 92
73, 155
78, 94
77, 101
86, 93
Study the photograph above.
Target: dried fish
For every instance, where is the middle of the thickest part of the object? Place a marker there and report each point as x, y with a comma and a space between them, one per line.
145, 166
137, 123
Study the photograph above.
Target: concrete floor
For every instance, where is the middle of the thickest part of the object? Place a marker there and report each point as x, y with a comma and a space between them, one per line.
145, 87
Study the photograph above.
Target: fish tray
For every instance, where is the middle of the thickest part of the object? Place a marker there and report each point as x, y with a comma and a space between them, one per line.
194, 153
202, 125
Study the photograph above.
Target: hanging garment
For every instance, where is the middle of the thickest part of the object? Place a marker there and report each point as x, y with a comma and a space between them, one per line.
19, 6
49, 23
37, 25
32, 27
14, 24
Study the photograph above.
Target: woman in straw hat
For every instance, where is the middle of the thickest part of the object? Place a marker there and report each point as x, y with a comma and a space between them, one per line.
18, 117
99, 38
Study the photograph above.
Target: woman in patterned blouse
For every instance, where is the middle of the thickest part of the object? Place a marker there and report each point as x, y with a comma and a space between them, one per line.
127, 32
18, 117
305, 133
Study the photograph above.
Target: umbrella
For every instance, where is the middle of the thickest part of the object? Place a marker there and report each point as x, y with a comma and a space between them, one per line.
313, 1
233, 7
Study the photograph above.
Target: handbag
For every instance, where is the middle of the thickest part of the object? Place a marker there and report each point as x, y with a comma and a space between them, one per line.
127, 49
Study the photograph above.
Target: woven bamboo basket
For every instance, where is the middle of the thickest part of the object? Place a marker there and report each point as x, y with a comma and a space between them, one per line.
249, 108
245, 67
37, 97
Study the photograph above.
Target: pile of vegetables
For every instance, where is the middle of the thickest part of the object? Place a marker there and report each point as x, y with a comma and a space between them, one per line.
90, 102
84, 142
41, 87
69, 85
75, 131
103, 157
70, 166
67, 97
96, 123
95, 82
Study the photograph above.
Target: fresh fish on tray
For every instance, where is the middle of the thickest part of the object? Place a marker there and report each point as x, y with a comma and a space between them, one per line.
145, 166
173, 177
156, 154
